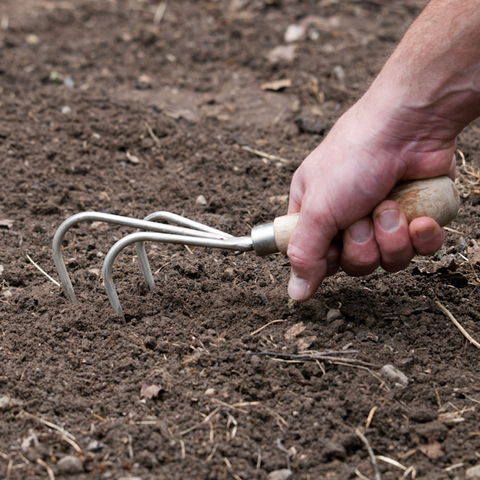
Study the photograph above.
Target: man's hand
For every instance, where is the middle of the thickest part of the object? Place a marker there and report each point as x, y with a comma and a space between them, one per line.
339, 191
404, 127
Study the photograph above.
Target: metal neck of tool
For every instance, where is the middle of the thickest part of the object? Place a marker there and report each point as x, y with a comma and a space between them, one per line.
263, 239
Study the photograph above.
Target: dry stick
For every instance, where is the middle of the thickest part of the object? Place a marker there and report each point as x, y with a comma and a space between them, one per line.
198, 425
51, 476
9, 469
44, 272
391, 461
457, 324
364, 439
360, 474
265, 326
152, 134
370, 417
264, 154
160, 12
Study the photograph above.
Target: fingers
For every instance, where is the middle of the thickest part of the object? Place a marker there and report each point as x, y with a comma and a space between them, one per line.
360, 254
426, 235
386, 240
393, 236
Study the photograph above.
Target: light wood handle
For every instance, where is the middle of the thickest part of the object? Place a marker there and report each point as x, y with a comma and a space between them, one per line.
436, 198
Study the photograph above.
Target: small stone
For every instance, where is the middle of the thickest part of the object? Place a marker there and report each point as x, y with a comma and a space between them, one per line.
282, 474
389, 372
32, 39
143, 82
7, 294
294, 33
313, 124
339, 72
473, 472
201, 200
70, 465
334, 314
229, 272
1, 269
66, 110
210, 392
285, 53
68, 82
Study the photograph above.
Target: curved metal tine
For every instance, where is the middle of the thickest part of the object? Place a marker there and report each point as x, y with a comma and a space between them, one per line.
243, 244
179, 220
108, 218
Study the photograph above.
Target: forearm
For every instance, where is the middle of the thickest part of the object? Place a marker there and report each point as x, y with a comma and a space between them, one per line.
435, 70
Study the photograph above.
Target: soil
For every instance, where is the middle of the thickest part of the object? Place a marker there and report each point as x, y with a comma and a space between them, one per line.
136, 106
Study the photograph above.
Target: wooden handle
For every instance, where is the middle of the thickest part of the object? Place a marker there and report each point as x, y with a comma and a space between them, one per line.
436, 198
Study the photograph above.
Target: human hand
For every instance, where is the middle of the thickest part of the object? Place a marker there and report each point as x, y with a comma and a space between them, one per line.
340, 192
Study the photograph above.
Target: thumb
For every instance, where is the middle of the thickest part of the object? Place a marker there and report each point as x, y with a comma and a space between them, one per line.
310, 254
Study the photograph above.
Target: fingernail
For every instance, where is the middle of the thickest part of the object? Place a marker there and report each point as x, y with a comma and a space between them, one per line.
297, 288
389, 220
426, 234
361, 231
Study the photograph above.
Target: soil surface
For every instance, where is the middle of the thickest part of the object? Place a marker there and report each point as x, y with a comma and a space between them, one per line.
134, 106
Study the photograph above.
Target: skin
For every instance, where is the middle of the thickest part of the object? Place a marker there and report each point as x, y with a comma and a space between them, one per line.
404, 127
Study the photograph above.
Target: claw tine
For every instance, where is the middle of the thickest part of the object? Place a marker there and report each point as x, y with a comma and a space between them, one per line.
203, 231
173, 218
145, 265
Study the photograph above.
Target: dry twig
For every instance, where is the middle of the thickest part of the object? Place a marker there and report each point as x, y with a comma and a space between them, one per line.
44, 272
259, 153
457, 324
203, 422
51, 476
265, 326
364, 439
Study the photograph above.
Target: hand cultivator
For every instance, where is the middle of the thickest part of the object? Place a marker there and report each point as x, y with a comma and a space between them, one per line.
437, 198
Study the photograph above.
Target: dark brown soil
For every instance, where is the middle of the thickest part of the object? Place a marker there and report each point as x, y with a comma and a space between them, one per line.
110, 106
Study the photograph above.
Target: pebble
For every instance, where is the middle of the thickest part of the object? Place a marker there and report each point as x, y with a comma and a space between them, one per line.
70, 465
7, 294
284, 53
282, 474
66, 110
334, 314
210, 392
339, 72
294, 33
473, 472
201, 200
32, 39
68, 82
389, 372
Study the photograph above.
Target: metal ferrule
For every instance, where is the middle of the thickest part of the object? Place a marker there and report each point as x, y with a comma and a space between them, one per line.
263, 239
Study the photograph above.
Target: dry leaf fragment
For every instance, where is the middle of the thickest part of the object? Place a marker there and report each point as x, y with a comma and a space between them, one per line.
278, 199
432, 450
305, 342
6, 223
294, 331
474, 252
150, 391
277, 85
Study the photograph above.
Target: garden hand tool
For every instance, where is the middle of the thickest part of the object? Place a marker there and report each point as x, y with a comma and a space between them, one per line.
437, 198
